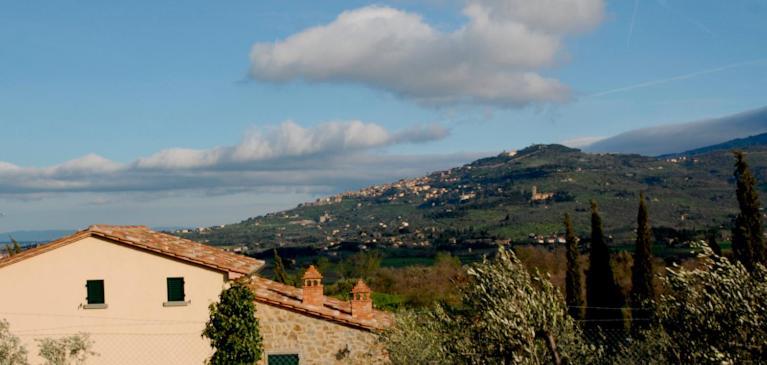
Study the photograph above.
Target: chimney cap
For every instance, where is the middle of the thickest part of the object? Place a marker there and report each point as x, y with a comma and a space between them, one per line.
312, 273
361, 287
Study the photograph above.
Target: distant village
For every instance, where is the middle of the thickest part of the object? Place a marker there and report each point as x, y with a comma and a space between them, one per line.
390, 233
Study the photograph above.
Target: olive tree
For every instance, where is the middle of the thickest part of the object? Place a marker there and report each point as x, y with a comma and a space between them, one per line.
417, 337
70, 350
507, 315
714, 314
12, 352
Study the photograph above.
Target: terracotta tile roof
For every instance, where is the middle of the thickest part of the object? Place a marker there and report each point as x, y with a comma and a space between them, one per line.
335, 310
161, 243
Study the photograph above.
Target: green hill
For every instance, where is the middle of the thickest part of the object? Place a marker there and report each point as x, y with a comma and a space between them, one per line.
490, 200
738, 143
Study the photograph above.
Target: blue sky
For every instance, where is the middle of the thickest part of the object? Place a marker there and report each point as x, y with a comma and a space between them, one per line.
121, 83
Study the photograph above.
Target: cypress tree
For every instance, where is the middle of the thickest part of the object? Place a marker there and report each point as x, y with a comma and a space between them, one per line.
573, 280
642, 288
13, 248
747, 237
280, 275
16, 246
712, 242
604, 298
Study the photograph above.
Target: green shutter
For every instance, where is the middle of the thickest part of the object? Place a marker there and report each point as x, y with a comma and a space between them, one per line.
95, 291
284, 359
176, 290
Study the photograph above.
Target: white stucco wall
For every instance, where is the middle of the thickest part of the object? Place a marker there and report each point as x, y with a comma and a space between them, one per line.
43, 296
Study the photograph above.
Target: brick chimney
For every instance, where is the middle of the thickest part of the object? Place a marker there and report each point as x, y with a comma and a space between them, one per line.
313, 293
362, 303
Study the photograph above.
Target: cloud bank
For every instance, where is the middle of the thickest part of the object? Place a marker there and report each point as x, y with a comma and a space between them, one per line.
683, 137
329, 156
495, 58
579, 142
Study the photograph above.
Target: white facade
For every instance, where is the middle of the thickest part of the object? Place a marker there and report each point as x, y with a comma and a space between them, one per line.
45, 296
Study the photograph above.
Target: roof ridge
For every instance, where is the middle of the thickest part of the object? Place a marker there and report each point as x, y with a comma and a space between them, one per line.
289, 297
142, 237
130, 226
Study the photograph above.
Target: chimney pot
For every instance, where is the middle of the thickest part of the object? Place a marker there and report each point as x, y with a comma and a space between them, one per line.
362, 302
313, 292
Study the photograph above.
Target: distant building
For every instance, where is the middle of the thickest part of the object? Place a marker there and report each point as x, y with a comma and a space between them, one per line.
143, 296
536, 196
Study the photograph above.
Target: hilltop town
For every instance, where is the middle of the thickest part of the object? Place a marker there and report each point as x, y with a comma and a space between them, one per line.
514, 197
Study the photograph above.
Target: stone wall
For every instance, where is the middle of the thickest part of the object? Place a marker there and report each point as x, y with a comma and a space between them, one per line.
316, 341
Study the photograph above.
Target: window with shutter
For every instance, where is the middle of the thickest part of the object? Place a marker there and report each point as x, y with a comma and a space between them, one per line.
95, 289
283, 359
176, 290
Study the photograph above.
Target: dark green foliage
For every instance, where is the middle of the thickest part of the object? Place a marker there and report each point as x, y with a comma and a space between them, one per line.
280, 275
573, 280
747, 237
603, 296
360, 265
642, 287
711, 238
233, 328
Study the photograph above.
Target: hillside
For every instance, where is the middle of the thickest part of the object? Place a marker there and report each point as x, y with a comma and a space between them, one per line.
491, 200
738, 143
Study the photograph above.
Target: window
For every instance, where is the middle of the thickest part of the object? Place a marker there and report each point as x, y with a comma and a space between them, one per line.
283, 359
95, 294
176, 295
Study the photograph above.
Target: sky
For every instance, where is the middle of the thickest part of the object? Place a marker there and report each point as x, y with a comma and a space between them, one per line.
200, 113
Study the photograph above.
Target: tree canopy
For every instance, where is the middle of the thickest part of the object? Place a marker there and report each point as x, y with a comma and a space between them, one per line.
747, 234
603, 296
508, 315
642, 282
574, 276
233, 328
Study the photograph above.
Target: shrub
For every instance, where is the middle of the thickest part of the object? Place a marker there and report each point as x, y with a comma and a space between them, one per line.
422, 286
712, 314
233, 328
74, 349
12, 352
508, 315
416, 338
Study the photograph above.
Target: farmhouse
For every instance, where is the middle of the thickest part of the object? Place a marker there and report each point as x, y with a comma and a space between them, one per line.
143, 298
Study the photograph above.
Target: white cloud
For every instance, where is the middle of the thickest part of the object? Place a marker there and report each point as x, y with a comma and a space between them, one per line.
292, 140
181, 158
681, 137
556, 16
579, 142
332, 154
86, 164
6, 166
495, 58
